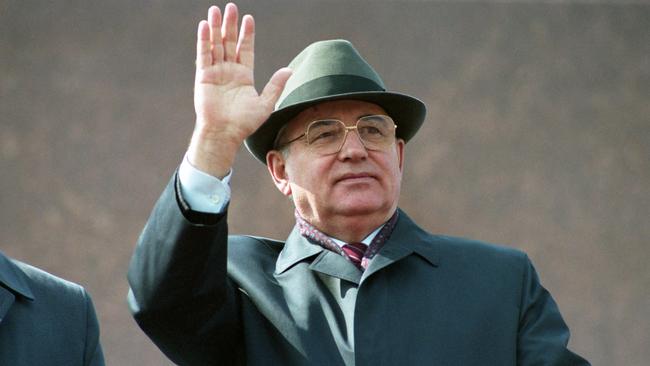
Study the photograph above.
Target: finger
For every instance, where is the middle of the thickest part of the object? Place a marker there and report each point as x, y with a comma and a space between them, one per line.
214, 19
229, 32
203, 53
274, 87
246, 42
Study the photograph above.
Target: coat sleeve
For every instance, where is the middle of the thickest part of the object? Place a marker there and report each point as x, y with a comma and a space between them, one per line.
543, 335
180, 294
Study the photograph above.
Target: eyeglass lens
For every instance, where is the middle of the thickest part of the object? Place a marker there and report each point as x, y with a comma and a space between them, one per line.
327, 136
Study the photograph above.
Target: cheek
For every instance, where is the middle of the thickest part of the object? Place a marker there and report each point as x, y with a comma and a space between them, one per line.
394, 183
391, 165
307, 175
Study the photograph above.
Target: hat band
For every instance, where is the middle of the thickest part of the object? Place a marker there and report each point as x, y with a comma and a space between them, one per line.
329, 86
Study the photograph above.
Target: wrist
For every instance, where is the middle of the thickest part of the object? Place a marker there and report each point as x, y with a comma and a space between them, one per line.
212, 153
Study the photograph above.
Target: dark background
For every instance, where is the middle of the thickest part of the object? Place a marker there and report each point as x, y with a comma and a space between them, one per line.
537, 137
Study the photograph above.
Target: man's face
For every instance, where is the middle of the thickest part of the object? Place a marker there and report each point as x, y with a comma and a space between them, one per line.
353, 184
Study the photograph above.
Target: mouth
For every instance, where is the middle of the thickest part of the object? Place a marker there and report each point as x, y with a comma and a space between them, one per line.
355, 177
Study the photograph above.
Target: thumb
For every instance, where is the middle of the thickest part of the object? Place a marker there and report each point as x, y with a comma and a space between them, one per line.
275, 86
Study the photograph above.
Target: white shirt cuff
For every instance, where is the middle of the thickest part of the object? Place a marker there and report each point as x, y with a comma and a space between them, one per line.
203, 192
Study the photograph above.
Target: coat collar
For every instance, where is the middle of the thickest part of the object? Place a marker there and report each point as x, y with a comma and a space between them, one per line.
296, 249
13, 278
407, 239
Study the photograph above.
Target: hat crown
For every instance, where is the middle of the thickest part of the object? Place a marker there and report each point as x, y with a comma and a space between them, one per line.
327, 63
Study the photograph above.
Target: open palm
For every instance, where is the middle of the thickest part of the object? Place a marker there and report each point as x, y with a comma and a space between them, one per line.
228, 107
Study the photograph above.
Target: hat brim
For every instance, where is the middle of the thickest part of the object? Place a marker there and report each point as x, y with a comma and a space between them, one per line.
408, 113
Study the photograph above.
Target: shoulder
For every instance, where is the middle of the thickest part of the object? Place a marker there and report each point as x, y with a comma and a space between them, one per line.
466, 247
464, 254
490, 259
457, 247
487, 270
52, 289
52, 315
48, 299
46, 279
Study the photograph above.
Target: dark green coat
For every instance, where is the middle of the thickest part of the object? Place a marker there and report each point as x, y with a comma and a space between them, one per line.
44, 320
209, 299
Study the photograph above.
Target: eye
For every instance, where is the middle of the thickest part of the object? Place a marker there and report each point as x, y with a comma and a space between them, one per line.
371, 131
375, 127
324, 132
323, 135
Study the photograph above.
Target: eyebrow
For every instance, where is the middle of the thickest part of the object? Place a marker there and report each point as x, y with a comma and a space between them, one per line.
339, 119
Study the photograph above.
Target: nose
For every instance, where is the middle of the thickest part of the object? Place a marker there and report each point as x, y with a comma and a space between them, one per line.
352, 147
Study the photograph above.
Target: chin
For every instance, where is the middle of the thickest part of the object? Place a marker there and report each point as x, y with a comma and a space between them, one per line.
355, 208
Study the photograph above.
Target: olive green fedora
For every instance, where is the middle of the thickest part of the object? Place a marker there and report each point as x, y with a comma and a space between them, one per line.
334, 70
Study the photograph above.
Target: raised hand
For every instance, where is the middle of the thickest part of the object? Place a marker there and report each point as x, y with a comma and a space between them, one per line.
228, 108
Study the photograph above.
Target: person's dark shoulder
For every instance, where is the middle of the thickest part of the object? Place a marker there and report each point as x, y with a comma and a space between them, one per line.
454, 248
472, 247
56, 315
479, 256
52, 288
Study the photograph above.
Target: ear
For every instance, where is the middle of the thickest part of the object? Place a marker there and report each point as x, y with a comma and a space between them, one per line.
399, 146
276, 164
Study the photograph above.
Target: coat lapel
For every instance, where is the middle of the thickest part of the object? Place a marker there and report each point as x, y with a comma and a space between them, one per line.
406, 239
13, 281
297, 249
7, 299
335, 265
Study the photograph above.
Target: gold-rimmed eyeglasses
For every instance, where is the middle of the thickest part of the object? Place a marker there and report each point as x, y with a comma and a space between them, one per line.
327, 136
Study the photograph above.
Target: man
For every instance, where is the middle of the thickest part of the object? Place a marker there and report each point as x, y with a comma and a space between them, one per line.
356, 282
45, 320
